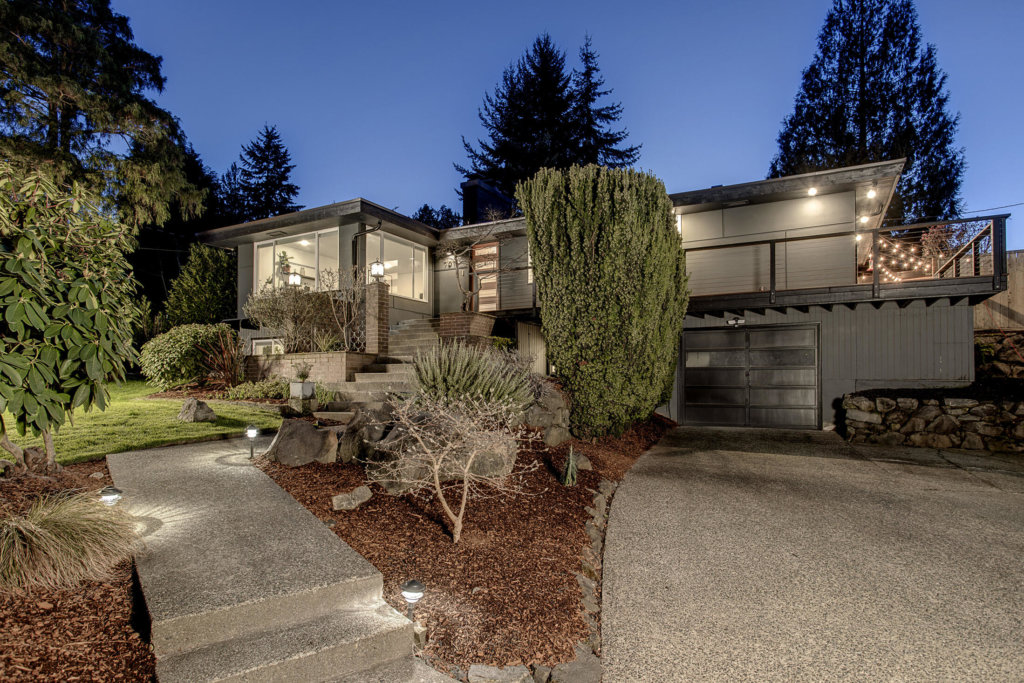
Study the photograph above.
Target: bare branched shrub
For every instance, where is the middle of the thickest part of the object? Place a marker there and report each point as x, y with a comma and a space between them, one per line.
63, 540
456, 450
347, 301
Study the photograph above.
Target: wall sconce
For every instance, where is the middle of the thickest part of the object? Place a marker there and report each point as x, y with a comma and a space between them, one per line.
377, 270
735, 322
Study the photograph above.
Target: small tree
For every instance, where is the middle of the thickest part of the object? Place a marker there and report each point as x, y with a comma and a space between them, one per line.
69, 302
454, 450
204, 292
611, 283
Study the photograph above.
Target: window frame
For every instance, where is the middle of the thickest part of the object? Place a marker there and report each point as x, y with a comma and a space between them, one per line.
381, 235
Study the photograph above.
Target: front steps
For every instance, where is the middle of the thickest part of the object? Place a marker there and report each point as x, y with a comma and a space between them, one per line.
242, 582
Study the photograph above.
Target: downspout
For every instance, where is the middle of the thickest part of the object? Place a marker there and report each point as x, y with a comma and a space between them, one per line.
360, 233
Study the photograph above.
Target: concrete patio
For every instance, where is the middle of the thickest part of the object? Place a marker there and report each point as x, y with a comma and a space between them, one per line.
771, 555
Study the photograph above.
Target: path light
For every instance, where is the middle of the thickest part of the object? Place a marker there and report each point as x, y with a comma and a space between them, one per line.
252, 432
377, 270
412, 591
110, 495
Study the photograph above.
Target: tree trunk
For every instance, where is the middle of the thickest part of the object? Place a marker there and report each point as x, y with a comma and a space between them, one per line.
15, 450
51, 454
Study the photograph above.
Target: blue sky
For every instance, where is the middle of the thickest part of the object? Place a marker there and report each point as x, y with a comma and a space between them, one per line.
371, 98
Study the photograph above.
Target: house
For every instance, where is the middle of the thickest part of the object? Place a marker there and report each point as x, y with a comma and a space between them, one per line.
798, 292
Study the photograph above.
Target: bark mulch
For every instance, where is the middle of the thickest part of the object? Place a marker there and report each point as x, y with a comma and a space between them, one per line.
84, 634
210, 394
507, 592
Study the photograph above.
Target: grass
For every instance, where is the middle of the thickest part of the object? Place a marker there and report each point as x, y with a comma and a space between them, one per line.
62, 541
132, 421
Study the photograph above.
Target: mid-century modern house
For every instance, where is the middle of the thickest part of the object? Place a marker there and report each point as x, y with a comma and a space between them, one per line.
798, 292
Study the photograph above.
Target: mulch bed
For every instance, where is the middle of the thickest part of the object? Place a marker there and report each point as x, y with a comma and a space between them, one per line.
506, 593
210, 394
84, 634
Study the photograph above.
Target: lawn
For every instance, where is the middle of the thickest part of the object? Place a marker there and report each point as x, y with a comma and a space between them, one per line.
132, 421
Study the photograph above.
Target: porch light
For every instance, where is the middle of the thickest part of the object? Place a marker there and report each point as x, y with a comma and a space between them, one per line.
252, 432
860, 237
412, 591
377, 270
863, 219
110, 495
811, 191
294, 279
871, 193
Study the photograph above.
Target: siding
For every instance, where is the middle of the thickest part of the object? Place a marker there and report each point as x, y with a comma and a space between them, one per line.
864, 348
1005, 311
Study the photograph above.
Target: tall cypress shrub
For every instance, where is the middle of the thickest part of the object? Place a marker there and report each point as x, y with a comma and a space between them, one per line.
611, 284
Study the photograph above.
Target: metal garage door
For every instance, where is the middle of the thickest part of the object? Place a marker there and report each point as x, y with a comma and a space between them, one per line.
751, 377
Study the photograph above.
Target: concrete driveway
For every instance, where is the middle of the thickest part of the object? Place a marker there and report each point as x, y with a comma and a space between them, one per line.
765, 555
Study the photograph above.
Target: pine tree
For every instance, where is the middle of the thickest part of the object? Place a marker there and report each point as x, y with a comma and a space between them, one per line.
598, 144
231, 197
441, 218
540, 116
71, 77
265, 177
872, 93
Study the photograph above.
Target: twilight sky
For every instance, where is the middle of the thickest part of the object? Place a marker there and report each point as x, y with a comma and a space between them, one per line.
371, 98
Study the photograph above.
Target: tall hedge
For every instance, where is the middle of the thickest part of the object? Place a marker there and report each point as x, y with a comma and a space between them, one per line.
611, 283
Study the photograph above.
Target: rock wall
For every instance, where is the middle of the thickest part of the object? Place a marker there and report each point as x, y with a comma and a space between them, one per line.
999, 355
895, 420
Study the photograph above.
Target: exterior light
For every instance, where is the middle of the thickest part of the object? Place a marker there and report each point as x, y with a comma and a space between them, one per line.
304, 243
412, 591
872, 194
252, 431
859, 237
377, 270
734, 322
811, 191
294, 279
863, 219
110, 495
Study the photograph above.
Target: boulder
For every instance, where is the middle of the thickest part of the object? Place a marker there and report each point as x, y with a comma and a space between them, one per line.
961, 402
538, 416
556, 435
858, 403
931, 440
863, 416
973, 442
299, 443
983, 428
478, 673
890, 439
499, 460
908, 404
985, 410
884, 404
928, 412
352, 499
196, 411
583, 463
586, 668
943, 424
350, 446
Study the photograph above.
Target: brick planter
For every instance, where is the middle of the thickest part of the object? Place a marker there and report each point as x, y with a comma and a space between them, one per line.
465, 326
329, 368
896, 420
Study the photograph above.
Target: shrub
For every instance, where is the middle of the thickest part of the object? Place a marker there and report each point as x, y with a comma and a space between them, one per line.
176, 356
461, 372
204, 291
63, 540
266, 388
571, 471
611, 283
223, 359
323, 394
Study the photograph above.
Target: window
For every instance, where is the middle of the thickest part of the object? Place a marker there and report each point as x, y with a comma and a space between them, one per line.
485, 265
296, 260
405, 264
267, 347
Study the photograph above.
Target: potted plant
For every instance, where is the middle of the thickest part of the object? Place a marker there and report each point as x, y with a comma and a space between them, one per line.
302, 388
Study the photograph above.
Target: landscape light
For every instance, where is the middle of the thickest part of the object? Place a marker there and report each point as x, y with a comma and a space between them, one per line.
412, 591
110, 495
377, 270
252, 432
812, 191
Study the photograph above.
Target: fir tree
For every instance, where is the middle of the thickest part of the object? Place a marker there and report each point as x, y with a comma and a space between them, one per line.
441, 218
231, 197
71, 78
872, 93
265, 177
598, 144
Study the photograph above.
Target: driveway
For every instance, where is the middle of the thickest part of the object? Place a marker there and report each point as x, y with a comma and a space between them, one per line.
767, 555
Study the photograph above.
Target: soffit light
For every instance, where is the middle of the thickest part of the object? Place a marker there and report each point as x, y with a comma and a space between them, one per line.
304, 243
872, 193
863, 219
811, 191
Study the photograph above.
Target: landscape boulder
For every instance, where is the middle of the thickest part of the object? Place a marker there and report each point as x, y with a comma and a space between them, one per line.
352, 499
479, 673
196, 411
299, 443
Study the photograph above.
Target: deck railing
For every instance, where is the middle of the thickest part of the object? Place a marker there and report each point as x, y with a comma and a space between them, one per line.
874, 259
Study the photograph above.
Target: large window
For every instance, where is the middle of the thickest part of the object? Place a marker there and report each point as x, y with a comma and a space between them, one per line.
297, 260
405, 264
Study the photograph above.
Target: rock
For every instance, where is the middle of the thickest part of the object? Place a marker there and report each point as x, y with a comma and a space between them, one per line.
478, 673
983, 428
896, 416
299, 443
930, 402
928, 413
600, 505
961, 402
931, 440
985, 410
556, 435
908, 404
884, 404
352, 499
372, 433
537, 416
607, 487
858, 403
943, 424
890, 439
973, 442
350, 446
583, 463
96, 475
956, 412
586, 668
499, 461
863, 416
541, 674
196, 411
1018, 431
586, 584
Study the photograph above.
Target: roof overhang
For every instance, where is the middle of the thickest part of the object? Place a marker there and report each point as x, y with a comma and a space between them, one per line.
320, 218
478, 232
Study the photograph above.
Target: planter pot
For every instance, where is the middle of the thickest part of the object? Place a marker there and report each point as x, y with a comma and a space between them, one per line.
466, 324
303, 390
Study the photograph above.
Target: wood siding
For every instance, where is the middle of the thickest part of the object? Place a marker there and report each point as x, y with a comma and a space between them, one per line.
1005, 311
864, 348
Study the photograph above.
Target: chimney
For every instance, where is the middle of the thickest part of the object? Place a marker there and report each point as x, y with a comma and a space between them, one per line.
483, 202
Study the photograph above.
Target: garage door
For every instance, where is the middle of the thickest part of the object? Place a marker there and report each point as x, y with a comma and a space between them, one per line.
751, 377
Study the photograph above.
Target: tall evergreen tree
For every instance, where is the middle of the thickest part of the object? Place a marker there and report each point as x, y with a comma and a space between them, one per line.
872, 93
541, 116
265, 176
231, 198
441, 218
598, 143
71, 80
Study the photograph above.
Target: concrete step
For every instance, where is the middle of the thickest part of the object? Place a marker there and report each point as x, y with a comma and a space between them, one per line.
396, 366
393, 376
344, 416
214, 571
413, 339
398, 671
321, 649
393, 385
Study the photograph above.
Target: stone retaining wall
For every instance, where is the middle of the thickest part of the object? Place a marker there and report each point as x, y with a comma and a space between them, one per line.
329, 368
895, 420
999, 355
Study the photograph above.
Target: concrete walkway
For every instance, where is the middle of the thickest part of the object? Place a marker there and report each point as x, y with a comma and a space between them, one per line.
243, 583
758, 555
